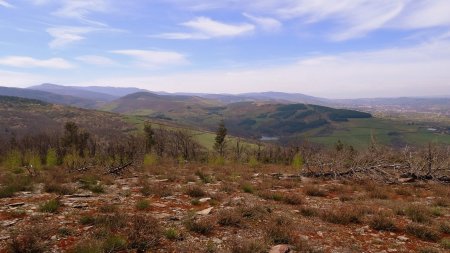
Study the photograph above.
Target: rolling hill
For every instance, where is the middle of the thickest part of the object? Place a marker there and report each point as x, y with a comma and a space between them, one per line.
249, 119
20, 116
271, 115
48, 97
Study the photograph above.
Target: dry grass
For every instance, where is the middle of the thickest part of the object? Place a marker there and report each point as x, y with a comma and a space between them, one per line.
293, 199
315, 191
229, 217
144, 233
248, 246
280, 230
195, 191
422, 232
344, 215
382, 222
201, 226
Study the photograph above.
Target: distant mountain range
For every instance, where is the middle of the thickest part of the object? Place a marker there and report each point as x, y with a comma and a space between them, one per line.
251, 115
97, 97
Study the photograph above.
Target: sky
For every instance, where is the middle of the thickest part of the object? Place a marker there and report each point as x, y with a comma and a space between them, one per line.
326, 48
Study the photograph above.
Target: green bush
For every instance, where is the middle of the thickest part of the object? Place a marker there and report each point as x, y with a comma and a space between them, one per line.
13, 160
51, 159
15, 183
297, 162
172, 234
50, 206
445, 243
114, 243
33, 160
150, 159
248, 188
142, 204
253, 162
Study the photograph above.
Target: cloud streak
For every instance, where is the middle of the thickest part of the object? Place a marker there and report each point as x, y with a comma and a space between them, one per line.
421, 69
65, 35
153, 58
5, 4
96, 60
207, 28
29, 62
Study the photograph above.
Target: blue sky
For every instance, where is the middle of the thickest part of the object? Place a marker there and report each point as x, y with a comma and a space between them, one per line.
341, 49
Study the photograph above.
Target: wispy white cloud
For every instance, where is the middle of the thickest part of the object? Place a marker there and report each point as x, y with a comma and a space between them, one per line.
348, 19
207, 28
421, 69
29, 62
64, 35
6, 4
96, 60
153, 58
78, 9
265, 23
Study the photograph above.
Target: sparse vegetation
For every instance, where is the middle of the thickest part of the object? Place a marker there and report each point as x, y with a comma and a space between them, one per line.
422, 232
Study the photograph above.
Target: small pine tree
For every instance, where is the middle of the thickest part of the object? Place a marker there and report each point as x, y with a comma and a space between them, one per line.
51, 159
220, 140
149, 137
297, 162
339, 146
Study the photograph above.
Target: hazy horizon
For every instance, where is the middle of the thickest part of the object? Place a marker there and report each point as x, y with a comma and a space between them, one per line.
351, 49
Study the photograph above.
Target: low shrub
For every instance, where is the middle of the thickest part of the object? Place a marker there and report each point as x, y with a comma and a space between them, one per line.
422, 232
53, 187
229, 218
343, 216
144, 233
309, 212
195, 191
445, 243
201, 226
173, 234
279, 230
315, 191
50, 206
418, 213
248, 188
383, 223
114, 243
142, 204
248, 246
293, 199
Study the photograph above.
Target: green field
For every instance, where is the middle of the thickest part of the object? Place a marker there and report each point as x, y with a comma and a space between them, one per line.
360, 132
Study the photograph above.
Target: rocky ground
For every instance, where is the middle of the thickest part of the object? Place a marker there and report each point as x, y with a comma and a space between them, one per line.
198, 208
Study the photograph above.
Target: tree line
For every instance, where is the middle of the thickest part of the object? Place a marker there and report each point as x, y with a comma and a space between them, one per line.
77, 150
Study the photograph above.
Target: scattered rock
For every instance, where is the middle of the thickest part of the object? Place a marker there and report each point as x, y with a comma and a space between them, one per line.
205, 211
280, 249
80, 195
17, 204
402, 238
203, 200
158, 205
5, 237
80, 205
217, 240
8, 223
319, 233
161, 215
406, 180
